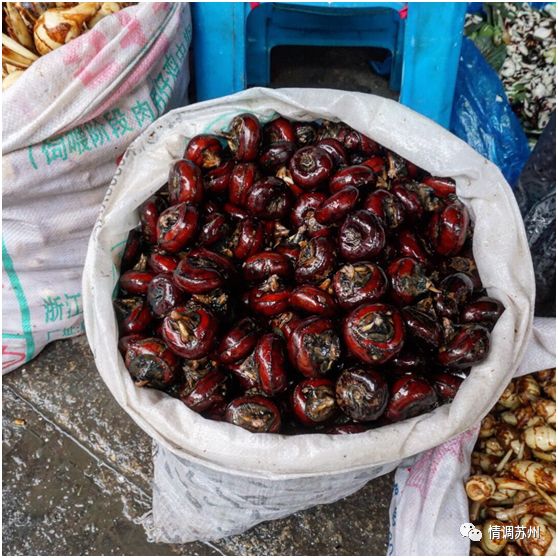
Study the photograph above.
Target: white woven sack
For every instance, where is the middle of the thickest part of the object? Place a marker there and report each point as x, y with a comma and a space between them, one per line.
249, 471
65, 123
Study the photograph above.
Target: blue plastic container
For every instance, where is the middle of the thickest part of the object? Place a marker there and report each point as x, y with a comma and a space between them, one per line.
233, 42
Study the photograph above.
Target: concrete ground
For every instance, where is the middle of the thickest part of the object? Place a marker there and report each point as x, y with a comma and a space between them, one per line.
77, 470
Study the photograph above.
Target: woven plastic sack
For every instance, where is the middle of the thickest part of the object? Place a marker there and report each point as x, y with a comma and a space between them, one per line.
429, 503
227, 479
65, 123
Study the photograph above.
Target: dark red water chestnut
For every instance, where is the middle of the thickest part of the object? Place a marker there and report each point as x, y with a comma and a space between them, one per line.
190, 331
426, 195
310, 166
305, 132
422, 327
309, 299
245, 372
447, 229
205, 151
362, 394
410, 246
277, 155
413, 171
176, 227
284, 324
217, 301
269, 198
136, 282
132, 250
215, 228
160, 262
201, 271
456, 289
262, 265
337, 206
279, 130
409, 359
410, 396
374, 333
254, 413
269, 356
408, 280
292, 251
248, 238
125, 341
208, 391
335, 150
149, 212
361, 282
193, 370
132, 314
358, 176
354, 140
443, 187
445, 385
163, 295
485, 310
315, 262
461, 264
216, 181
151, 363
459, 286
185, 183
244, 137
314, 401
243, 177
238, 342
410, 200
376, 163
468, 346
361, 236
314, 347
270, 298
303, 213
386, 207
356, 158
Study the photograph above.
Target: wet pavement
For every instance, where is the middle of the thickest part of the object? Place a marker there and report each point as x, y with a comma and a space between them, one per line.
77, 472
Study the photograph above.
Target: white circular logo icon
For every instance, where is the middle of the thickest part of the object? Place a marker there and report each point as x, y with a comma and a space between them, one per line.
469, 530
475, 535
465, 529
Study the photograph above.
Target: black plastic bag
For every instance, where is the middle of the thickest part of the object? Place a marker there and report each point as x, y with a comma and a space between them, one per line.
536, 196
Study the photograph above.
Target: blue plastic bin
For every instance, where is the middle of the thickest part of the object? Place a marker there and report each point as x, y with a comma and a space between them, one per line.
233, 41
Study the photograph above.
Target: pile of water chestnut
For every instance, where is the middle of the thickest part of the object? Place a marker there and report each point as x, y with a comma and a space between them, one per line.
298, 277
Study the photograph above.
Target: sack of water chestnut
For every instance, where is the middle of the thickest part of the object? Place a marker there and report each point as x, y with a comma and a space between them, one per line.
244, 439
66, 121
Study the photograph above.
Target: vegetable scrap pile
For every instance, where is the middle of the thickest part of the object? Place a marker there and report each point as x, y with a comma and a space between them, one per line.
519, 42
